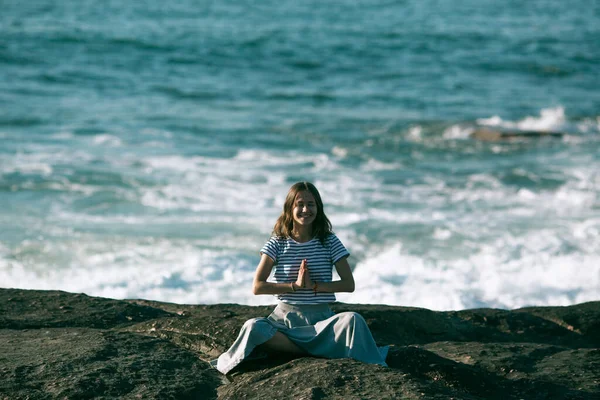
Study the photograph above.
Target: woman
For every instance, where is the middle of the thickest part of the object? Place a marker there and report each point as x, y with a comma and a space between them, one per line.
303, 250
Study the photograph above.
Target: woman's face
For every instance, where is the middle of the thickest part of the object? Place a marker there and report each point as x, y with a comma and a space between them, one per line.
305, 209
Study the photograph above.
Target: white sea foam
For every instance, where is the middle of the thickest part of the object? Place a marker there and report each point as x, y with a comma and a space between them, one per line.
346, 219
107, 140
339, 151
486, 278
458, 132
441, 234
550, 119
375, 165
160, 270
492, 121
415, 133
39, 160
29, 168
252, 178
485, 242
589, 125
526, 194
541, 272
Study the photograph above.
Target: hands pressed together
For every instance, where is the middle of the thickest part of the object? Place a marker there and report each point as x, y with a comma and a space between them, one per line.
304, 281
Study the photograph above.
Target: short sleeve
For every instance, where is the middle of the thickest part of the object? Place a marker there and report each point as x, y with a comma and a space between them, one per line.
271, 248
337, 250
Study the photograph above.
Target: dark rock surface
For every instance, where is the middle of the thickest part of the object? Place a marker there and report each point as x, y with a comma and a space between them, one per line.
71, 346
495, 135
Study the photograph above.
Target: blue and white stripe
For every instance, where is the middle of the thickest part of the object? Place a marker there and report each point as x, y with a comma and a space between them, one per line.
287, 255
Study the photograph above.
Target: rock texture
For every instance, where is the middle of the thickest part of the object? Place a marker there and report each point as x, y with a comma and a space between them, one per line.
71, 346
495, 135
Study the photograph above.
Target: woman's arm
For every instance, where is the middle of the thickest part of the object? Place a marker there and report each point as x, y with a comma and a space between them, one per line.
261, 286
346, 282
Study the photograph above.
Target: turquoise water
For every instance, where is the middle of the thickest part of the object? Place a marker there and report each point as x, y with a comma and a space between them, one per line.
146, 149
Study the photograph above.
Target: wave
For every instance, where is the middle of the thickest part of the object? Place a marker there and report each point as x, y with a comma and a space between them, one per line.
484, 279
550, 119
540, 273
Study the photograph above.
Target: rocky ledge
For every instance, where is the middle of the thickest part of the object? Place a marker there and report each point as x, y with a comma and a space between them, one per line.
71, 346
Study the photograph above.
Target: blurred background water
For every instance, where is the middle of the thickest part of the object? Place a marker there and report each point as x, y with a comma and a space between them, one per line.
146, 147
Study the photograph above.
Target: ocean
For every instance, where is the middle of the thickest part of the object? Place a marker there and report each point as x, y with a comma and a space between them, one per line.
146, 147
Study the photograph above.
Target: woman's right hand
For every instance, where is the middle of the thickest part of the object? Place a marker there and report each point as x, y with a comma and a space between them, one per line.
302, 275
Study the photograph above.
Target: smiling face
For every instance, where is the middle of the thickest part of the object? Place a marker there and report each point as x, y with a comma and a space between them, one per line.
305, 209
303, 216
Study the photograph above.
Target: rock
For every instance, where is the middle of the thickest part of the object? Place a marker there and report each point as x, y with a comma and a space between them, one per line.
62, 345
487, 134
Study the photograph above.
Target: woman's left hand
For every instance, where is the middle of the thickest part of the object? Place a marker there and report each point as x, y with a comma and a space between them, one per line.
307, 283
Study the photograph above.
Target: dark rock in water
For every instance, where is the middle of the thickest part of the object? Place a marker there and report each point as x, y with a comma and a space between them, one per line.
491, 135
61, 345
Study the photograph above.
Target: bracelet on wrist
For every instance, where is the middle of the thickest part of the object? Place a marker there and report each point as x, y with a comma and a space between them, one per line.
292, 286
315, 287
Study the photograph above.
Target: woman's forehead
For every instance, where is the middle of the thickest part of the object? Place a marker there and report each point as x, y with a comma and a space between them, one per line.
304, 196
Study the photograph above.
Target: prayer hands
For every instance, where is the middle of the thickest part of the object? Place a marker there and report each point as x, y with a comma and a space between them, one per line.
304, 280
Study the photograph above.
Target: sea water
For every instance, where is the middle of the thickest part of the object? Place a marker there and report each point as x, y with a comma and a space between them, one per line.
146, 147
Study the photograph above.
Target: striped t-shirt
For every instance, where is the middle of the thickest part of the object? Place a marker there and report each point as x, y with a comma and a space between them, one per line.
287, 255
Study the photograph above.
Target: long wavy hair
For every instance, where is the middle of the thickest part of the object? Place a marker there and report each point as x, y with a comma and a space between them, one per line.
321, 227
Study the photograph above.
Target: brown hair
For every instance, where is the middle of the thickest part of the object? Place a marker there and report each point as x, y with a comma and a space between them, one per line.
321, 227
